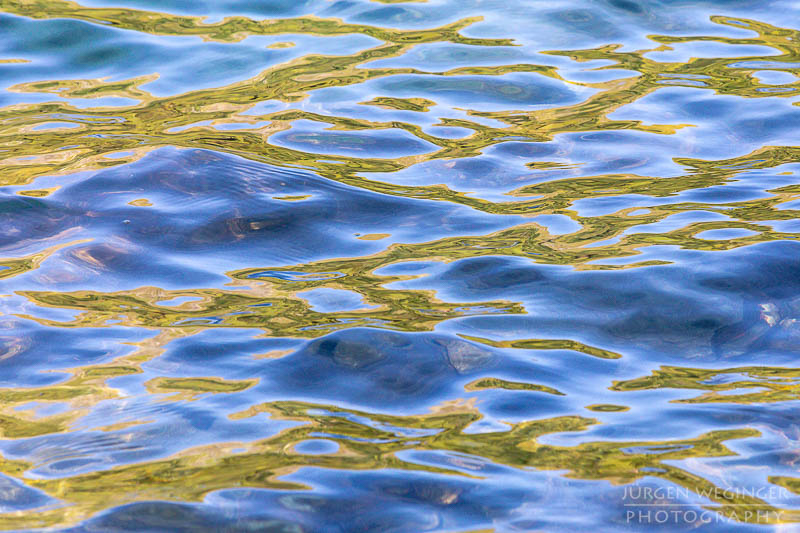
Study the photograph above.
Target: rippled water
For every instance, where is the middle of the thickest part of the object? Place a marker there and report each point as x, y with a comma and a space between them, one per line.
353, 265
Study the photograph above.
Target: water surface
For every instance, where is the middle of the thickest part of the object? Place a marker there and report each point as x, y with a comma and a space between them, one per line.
385, 265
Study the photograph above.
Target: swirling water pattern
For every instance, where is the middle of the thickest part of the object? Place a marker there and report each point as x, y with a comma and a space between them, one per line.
386, 265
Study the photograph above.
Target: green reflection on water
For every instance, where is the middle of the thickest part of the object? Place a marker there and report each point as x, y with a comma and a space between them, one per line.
372, 441
778, 384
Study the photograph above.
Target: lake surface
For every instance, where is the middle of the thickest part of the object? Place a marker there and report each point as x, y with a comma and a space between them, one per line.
375, 265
